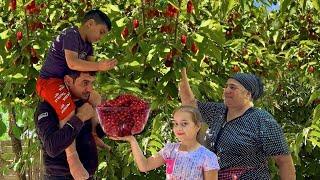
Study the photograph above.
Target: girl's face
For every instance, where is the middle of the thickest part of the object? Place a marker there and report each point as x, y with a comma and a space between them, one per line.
183, 126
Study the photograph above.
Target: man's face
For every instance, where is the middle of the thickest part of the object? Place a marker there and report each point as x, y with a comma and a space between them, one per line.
81, 87
96, 31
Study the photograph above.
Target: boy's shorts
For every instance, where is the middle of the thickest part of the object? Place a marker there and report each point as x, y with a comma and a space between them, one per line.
56, 93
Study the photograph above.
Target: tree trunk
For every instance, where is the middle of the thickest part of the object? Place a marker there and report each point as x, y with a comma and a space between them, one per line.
16, 143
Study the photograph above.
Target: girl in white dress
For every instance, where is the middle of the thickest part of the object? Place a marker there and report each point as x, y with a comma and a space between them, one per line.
186, 159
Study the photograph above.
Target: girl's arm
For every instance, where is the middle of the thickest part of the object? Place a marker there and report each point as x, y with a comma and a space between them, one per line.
210, 175
144, 164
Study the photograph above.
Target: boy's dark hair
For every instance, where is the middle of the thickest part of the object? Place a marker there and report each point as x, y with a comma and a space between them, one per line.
75, 74
98, 16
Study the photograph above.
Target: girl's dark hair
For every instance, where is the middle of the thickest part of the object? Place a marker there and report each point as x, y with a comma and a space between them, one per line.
197, 119
98, 16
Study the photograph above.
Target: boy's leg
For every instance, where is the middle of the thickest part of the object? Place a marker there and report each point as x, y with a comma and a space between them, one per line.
99, 141
77, 170
58, 96
95, 100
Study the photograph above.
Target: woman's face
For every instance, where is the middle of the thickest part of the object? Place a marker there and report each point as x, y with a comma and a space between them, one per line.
234, 94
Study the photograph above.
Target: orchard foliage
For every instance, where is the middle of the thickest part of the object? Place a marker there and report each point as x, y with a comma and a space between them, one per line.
153, 39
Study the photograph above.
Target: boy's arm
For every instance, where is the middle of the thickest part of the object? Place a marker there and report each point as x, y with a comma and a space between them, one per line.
91, 58
77, 64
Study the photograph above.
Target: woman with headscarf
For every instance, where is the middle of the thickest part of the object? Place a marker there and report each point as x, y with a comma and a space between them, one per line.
242, 136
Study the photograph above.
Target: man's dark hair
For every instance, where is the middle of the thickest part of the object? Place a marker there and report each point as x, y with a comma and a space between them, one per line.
75, 74
98, 16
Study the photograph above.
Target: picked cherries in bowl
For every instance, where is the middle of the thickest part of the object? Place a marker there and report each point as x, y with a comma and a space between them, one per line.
123, 116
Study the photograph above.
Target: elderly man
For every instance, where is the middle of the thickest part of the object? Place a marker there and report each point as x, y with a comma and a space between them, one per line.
242, 136
55, 140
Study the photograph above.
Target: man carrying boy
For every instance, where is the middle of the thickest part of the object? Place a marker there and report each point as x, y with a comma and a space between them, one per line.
55, 140
72, 50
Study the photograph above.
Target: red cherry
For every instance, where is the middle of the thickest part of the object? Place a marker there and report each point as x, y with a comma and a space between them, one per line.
311, 69
33, 52
171, 11
43, 5
183, 39
290, 65
168, 63
244, 51
258, 62
19, 35
125, 33
194, 48
135, 49
31, 8
135, 23
13, 5
190, 7
151, 13
229, 32
8, 45
235, 68
169, 56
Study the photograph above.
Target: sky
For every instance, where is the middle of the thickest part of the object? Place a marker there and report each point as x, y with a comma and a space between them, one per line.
271, 8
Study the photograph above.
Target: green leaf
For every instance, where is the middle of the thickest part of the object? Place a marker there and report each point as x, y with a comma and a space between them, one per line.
315, 141
155, 144
152, 150
206, 23
315, 134
17, 132
149, 73
112, 7
260, 40
4, 34
3, 128
121, 22
171, 89
316, 113
284, 5
315, 4
125, 171
102, 165
315, 95
198, 38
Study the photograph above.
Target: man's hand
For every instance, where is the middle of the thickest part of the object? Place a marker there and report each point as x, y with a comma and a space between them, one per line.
106, 65
85, 112
95, 98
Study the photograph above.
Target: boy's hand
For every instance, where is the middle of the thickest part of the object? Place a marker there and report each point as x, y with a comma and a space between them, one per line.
106, 65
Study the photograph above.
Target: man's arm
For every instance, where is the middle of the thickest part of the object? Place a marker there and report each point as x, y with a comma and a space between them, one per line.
286, 167
185, 92
56, 140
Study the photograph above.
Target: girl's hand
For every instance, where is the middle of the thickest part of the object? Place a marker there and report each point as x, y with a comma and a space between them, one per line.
124, 138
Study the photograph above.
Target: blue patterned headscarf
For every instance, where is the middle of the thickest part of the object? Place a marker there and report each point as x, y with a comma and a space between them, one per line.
251, 82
